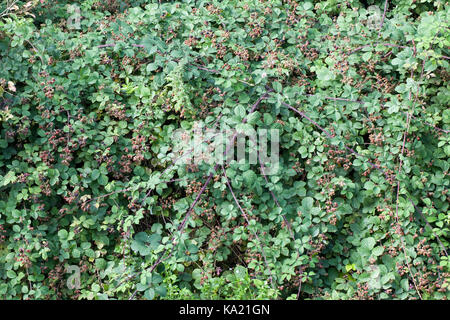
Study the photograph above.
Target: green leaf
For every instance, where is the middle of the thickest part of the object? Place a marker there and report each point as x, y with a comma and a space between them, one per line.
109, 141
324, 74
9, 178
368, 243
103, 180
253, 117
63, 234
95, 174
11, 274
149, 294
378, 251
405, 284
244, 98
161, 290
268, 119
249, 177
303, 151
307, 6
240, 272
144, 244
239, 110
307, 203
277, 86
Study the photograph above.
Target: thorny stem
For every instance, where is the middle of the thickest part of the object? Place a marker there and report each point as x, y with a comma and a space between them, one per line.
286, 221
183, 223
177, 159
408, 120
377, 43
330, 137
248, 223
428, 224
362, 102
377, 167
384, 16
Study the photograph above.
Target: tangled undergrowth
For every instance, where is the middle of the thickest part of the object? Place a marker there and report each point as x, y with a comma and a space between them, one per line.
90, 98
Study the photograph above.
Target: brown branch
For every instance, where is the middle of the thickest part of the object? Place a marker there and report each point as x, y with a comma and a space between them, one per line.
248, 223
408, 121
330, 137
384, 16
362, 102
375, 44
286, 221
183, 223
428, 224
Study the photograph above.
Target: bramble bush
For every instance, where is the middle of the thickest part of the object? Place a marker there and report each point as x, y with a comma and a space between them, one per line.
358, 210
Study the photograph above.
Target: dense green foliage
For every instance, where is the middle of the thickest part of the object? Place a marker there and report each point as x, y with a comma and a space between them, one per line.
359, 209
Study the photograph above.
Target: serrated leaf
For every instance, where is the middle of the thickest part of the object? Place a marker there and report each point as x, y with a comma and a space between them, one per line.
368, 243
